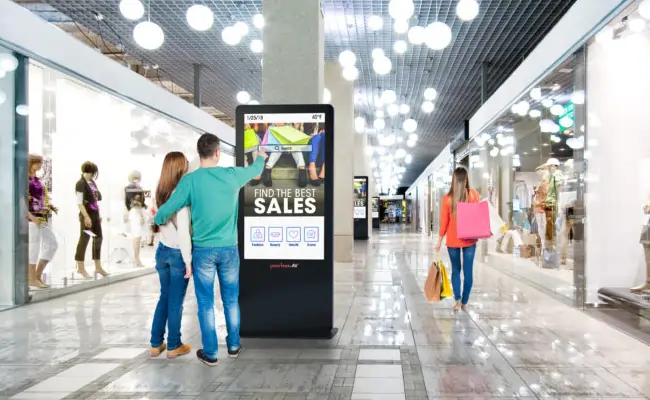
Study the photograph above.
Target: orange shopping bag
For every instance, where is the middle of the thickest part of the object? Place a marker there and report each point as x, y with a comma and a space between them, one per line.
432, 285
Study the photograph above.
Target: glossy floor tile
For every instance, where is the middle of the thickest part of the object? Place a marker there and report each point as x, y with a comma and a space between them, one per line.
514, 342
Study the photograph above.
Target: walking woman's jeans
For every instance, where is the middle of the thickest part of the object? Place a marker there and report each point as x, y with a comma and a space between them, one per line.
224, 262
467, 256
173, 286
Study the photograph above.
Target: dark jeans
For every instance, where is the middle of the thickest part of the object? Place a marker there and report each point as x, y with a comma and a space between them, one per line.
173, 286
84, 238
467, 255
224, 262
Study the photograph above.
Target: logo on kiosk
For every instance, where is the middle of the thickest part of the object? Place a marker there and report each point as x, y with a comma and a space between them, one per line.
284, 266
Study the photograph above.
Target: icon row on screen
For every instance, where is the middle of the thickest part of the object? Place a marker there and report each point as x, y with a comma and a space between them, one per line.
278, 234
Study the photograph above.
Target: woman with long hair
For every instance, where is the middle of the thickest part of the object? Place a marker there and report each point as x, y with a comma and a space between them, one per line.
173, 263
461, 252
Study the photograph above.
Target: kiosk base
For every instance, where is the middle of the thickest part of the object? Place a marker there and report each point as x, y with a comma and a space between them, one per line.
312, 334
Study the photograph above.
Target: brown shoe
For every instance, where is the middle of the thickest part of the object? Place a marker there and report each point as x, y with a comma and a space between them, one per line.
181, 351
156, 351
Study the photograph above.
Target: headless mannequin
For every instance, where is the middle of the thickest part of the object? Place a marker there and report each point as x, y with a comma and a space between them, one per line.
539, 202
135, 207
645, 241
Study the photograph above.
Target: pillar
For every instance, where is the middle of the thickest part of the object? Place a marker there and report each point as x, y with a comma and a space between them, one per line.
362, 168
294, 47
197, 85
345, 152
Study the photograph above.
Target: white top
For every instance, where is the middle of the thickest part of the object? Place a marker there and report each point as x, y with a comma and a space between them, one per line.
179, 236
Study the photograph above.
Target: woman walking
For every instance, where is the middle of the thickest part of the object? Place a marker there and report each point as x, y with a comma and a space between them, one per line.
173, 263
461, 252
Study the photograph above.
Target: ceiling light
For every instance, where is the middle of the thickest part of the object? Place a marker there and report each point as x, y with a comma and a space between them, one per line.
408, 158
382, 65
258, 21
375, 23
230, 36
148, 35
578, 97
401, 10
199, 17
359, 124
392, 109
416, 35
557, 109
413, 137
404, 109
400, 47
494, 152
379, 124
388, 96
410, 125
401, 26
327, 96
410, 143
437, 35
347, 58
378, 102
132, 9
566, 122
428, 107
535, 113
556, 87
644, 9
242, 28
377, 53
605, 35
243, 97
257, 46
636, 25
430, 94
253, 102
8, 63
379, 113
536, 93
547, 103
400, 153
467, 10
350, 73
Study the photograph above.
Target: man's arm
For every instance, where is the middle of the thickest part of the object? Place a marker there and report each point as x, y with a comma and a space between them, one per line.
244, 174
179, 199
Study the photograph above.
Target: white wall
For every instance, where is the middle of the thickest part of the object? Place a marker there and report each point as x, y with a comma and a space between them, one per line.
583, 19
51, 45
618, 89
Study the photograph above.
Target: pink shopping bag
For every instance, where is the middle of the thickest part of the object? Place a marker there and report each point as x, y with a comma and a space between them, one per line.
473, 220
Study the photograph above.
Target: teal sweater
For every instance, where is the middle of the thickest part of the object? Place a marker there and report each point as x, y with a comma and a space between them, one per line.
213, 196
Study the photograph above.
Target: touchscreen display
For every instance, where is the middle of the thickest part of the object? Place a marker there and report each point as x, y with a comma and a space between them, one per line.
284, 208
360, 198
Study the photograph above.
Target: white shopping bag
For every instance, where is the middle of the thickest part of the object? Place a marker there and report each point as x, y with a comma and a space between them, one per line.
497, 225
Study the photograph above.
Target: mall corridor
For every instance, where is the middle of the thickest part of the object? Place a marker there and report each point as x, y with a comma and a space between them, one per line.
515, 343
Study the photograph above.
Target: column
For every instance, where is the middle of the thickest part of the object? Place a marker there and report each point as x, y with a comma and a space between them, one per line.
362, 168
294, 45
345, 150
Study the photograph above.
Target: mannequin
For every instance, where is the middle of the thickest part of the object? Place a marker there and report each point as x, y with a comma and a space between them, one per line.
539, 202
90, 221
555, 179
645, 242
42, 241
135, 216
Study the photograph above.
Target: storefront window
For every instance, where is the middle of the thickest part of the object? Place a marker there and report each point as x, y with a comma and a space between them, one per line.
75, 127
528, 165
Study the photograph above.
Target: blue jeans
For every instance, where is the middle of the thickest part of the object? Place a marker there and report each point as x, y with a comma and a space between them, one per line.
316, 144
224, 262
173, 286
467, 268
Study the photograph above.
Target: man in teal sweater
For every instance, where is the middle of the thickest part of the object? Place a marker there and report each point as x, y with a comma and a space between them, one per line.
212, 193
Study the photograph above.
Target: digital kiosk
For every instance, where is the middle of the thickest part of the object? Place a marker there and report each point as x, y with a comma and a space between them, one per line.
286, 221
361, 207
374, 206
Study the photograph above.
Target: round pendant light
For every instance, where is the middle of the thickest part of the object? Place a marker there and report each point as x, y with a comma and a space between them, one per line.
199, 17
347, 58
410, 125
8, 63
242, 28
467, 10
253, 102
401, 10
230, 36
379, 124
132, 9
243, 97
377, 53
416, 35
404, 109
148, 35
428, 107
392, 110
350, 73
258, 21
400, 47
388, 96
430, 94
536, 93
375, 23
382, 65
257, 46
401, 26
437, 35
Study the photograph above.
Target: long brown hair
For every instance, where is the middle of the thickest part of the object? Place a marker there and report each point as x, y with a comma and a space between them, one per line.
174, 167
459, 190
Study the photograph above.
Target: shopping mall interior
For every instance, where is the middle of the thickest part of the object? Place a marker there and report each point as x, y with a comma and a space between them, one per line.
432, 219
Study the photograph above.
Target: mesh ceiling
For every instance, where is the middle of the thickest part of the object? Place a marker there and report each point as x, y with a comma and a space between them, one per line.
501, 36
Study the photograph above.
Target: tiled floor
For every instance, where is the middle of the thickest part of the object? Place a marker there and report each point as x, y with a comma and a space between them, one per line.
515, 342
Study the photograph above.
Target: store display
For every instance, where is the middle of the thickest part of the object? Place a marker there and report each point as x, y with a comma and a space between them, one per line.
136, 215
360, 207
645, 242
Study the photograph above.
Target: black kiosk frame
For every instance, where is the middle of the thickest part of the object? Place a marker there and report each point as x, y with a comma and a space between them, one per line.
284, 296
361, 222
374, 207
